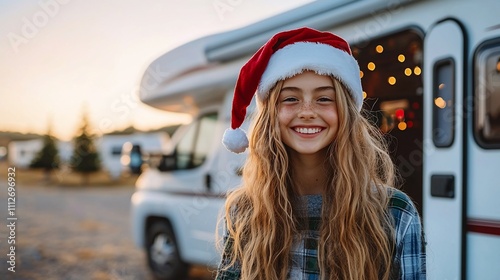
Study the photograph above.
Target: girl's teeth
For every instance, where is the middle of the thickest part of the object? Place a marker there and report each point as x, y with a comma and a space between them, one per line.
307, 130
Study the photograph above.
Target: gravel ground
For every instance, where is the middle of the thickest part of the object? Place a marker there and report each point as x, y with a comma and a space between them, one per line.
74, 233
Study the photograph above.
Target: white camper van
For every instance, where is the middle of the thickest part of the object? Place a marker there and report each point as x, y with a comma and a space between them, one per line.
431, 75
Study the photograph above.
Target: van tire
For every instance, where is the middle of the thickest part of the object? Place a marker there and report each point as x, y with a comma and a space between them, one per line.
163, 253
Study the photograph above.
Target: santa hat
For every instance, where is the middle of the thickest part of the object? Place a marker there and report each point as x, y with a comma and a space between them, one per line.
285, 55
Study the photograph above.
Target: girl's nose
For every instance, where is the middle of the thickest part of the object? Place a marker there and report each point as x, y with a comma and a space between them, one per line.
307, 111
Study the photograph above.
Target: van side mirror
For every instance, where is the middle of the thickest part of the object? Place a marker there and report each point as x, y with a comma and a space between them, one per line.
168, 162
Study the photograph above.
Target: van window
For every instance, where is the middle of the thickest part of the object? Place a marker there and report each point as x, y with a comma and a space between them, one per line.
196, 143
204, 139
443, 88
116, 151
487, 95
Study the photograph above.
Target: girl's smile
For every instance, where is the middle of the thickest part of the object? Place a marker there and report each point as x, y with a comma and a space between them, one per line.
308, 130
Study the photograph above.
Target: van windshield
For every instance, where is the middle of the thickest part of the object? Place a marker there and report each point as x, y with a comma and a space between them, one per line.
195, 145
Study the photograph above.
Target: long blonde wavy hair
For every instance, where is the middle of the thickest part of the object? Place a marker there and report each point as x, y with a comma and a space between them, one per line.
356, 236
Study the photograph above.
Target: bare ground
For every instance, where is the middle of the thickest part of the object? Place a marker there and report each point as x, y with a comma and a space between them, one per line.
74, 233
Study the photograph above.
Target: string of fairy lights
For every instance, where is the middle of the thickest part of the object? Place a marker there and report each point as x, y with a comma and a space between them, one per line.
371, 66
398, 115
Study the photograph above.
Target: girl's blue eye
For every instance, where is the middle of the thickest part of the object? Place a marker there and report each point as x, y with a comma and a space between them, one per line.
290, 99
325, 99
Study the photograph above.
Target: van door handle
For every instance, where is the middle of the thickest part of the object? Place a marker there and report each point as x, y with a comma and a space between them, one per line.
208, 182
443, 186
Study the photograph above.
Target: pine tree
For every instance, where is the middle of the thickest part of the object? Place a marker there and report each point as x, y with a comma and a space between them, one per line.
85, 158
48, 157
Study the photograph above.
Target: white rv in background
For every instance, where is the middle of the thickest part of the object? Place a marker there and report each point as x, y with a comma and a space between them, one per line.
115, 150
431, 76
23, 152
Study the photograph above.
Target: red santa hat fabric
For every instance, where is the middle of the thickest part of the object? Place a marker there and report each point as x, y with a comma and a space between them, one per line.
285, 55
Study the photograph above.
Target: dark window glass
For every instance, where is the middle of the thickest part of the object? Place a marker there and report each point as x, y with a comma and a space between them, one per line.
205, 138
184, 150
391, 74
195, 146
116, 151
444, 102
487, 95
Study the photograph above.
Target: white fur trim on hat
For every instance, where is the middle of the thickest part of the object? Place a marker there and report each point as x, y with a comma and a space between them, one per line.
321, 58
235, 140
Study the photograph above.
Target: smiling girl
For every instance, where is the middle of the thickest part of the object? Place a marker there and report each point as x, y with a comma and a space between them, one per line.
317, 200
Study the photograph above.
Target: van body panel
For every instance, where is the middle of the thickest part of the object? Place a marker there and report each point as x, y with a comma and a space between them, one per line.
482, 256
483, 164
194, 231
193, 91
443, 76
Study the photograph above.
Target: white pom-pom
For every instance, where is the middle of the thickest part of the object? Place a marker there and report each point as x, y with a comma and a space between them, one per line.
235, 140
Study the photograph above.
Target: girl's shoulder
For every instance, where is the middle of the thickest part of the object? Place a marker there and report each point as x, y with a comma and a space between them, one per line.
400, 201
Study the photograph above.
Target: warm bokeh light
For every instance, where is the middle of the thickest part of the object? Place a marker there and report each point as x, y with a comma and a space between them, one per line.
364, 95
402, 126
440, 102
391, 80
417, 70
401, 58
361, 74
408, 72
379, 49
125, 160
400, 114
371, 66
441, 86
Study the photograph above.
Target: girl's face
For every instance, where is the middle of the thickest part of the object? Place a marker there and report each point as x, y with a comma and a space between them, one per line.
307, 113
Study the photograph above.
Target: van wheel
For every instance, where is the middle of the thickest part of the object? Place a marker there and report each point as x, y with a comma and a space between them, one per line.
163, 253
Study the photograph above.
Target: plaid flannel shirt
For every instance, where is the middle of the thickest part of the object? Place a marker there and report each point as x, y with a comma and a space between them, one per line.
409, 256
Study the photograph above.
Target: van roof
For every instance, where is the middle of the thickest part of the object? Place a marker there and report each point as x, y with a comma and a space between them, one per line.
199, 73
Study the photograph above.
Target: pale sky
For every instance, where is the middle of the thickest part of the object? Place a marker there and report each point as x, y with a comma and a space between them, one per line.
57, 55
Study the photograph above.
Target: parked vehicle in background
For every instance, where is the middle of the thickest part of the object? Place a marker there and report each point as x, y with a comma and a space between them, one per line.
132, 158
431, 75
127, 152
